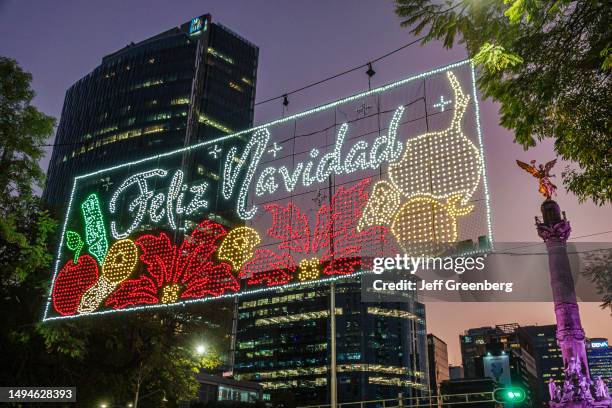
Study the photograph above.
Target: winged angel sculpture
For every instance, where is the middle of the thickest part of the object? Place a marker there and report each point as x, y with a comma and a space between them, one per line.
542, 173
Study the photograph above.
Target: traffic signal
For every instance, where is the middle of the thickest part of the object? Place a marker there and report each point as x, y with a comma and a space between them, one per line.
509, 395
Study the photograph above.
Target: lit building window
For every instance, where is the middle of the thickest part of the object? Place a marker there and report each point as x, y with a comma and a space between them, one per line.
154, 129
402, 314
295, 318
235, 86
105, 130
180, 101
159, 116
208, 121
395, 381
221, 56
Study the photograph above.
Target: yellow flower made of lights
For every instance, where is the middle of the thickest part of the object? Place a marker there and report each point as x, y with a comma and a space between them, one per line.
170, 293
119, 263
381, 207
238, 246
435, 178
309, 269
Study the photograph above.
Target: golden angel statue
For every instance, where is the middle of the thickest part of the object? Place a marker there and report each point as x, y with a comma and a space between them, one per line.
542, 173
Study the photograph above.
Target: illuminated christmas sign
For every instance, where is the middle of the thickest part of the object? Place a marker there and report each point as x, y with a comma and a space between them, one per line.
301, 200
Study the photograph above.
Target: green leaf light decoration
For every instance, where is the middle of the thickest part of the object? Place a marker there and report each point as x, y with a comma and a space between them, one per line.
75, 243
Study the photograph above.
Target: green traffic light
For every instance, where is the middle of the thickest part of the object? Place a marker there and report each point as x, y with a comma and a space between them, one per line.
509, 395
514, 394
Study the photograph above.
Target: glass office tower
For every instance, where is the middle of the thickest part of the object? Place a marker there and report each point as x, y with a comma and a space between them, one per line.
541, 342
283, 342
599, 355
191, 83
437, 353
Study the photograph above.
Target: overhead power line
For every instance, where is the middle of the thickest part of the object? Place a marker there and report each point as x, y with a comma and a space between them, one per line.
348, 71
284, 95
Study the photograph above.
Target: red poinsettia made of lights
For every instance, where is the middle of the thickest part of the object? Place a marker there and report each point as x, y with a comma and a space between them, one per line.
175, 272
333, 247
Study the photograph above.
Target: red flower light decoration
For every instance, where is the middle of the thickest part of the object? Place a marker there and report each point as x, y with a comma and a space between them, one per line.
72, 282
335, 235
175, 273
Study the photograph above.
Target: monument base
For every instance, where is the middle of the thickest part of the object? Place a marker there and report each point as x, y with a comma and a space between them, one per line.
581, 404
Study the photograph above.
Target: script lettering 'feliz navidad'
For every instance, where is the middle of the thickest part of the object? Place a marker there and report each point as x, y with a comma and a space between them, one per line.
159, 205
385, 148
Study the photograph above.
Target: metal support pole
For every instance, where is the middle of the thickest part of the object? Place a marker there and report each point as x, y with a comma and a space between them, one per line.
232, 356
332, 316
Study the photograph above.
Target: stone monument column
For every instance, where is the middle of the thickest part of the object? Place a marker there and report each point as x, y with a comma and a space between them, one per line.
555, 230
576, 391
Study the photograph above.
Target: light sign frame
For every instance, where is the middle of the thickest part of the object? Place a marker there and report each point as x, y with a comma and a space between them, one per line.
185, 302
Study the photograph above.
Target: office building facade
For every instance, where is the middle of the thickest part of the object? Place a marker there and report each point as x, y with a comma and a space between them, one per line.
283, 342
468, 393
188, 84
599, 356
437, 356
497, 353
474, 344
541, 343
215, 388
455, 372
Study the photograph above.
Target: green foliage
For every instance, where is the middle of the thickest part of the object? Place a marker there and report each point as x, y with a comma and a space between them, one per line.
598, 268
547, 64
23, 129
606, 53
110, 357
495, 58
516, 11
24, 227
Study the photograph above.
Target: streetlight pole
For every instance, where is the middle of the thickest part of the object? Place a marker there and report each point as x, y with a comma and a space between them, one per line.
138, 382
332, 315
164, 399
333, 376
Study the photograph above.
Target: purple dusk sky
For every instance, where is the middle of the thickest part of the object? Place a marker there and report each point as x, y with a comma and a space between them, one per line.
301, 42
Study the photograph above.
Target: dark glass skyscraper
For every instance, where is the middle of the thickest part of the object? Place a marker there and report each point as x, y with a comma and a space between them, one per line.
283, 342
437, 353
474, 344
496, 352
191, 83
541, 343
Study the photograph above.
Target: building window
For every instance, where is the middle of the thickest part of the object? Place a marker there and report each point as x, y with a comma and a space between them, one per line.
154, 129
180, 101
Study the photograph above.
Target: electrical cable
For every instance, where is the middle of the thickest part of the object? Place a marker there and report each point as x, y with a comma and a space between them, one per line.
348, 71
285, 94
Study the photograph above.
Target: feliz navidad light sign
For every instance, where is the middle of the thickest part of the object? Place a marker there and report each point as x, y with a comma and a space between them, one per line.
309, 198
